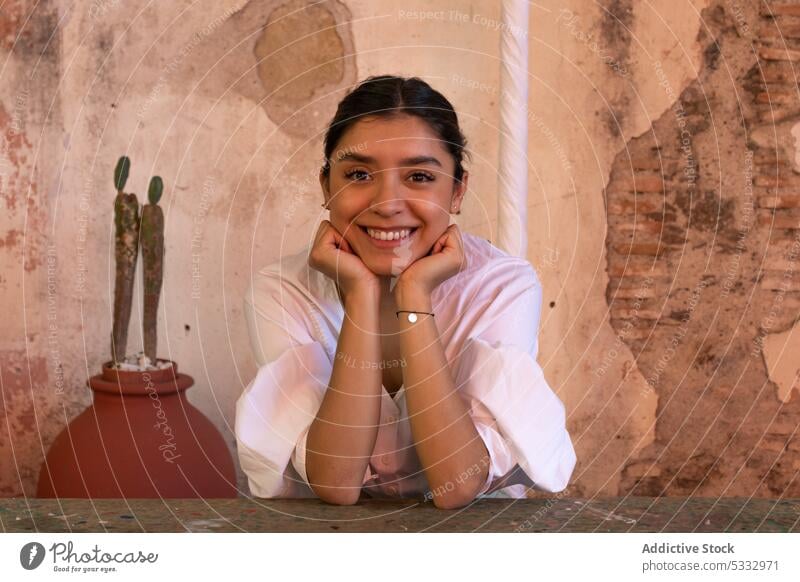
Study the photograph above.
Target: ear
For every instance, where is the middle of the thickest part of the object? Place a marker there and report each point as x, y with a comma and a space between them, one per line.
459, 189
324, 182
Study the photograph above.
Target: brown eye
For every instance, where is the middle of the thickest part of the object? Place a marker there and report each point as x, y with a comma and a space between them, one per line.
352, 173
425, 177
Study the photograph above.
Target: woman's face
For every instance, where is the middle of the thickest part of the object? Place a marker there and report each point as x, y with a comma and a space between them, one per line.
392, 175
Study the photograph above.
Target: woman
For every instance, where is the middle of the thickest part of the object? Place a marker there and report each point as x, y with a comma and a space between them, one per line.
397, 354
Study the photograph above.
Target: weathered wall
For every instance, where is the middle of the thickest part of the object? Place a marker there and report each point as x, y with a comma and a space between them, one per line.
228, 100
703, 250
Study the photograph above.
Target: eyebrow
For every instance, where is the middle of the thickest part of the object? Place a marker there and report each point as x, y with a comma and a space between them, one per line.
413, 161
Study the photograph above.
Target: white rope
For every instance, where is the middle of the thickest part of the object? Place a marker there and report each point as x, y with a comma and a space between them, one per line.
512, 190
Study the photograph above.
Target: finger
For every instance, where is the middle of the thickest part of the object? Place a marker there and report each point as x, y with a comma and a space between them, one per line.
345, 246
444, 241
437, 248
331, 237
455, 240
341, 241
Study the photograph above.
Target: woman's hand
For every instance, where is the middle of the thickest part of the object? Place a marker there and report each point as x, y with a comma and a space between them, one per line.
332, 256
445, 259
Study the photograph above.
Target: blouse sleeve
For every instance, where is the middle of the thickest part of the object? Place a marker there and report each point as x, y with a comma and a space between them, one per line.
274, 412
520, 419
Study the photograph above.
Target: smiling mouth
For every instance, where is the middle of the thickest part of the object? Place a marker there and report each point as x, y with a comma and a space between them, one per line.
395, 236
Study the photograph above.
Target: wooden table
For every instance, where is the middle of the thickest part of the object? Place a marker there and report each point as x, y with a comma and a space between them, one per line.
630, 514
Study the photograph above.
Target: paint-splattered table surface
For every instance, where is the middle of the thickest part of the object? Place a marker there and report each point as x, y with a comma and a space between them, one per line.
631, 514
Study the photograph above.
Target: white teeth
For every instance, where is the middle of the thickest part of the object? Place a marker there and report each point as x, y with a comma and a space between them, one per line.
393, 235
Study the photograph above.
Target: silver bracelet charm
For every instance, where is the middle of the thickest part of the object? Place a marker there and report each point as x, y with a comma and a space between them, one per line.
412, 315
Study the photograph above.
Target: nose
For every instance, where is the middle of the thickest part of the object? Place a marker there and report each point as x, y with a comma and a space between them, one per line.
387, 200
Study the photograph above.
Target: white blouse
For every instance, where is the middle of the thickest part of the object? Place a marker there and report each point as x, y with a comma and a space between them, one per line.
487, 316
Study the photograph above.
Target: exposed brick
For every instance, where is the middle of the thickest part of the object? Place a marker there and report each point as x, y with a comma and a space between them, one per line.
778, 220
773, 114
791, 191
781, 249
636, 204
778, 282
785, 201
782, 265
634, 269
791, 301
776, 97
772, 166
639, 183
777, 72
780, 30
644, 282
783, 181
647, 226
651, 249
780, 9
631, 332
631, 237
783, 425
643, 469
783, 86
757, 462
778, 54
767, 158
641, 303
633, 293
636, 313
775, 444
769, 181
651, 162
787, 86
670, 321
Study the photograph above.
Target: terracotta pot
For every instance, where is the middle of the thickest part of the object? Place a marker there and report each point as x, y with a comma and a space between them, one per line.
140, 438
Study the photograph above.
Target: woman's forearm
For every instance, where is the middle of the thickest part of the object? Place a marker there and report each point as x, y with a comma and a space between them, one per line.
448, 445
342, 436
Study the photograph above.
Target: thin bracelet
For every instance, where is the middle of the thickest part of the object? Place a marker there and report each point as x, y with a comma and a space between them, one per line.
412, 315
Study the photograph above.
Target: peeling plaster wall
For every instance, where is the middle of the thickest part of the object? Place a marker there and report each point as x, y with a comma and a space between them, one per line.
228, 101
595, 90
702, 252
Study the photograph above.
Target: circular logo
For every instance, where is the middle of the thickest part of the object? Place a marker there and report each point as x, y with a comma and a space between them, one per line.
31, 555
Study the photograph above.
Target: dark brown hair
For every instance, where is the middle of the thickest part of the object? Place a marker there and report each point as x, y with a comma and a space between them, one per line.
387, 96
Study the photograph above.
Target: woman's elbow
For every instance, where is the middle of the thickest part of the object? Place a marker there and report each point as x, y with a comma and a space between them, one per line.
451, 502
337, 495
455, 499
333, 485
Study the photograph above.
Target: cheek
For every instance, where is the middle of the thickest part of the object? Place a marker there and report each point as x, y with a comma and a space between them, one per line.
343, 221
348, 229
432, 209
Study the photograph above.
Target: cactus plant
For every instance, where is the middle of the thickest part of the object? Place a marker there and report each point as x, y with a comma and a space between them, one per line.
126, 250
152, 240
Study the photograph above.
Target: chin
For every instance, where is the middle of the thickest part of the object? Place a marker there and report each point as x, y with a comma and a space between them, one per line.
388, 267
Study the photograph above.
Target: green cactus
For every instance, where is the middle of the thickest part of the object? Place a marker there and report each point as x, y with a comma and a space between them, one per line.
155, 189
152, 264
121, 173
126, 251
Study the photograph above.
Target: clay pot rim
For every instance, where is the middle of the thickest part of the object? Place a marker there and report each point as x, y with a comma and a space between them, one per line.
137, 377
140, 383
